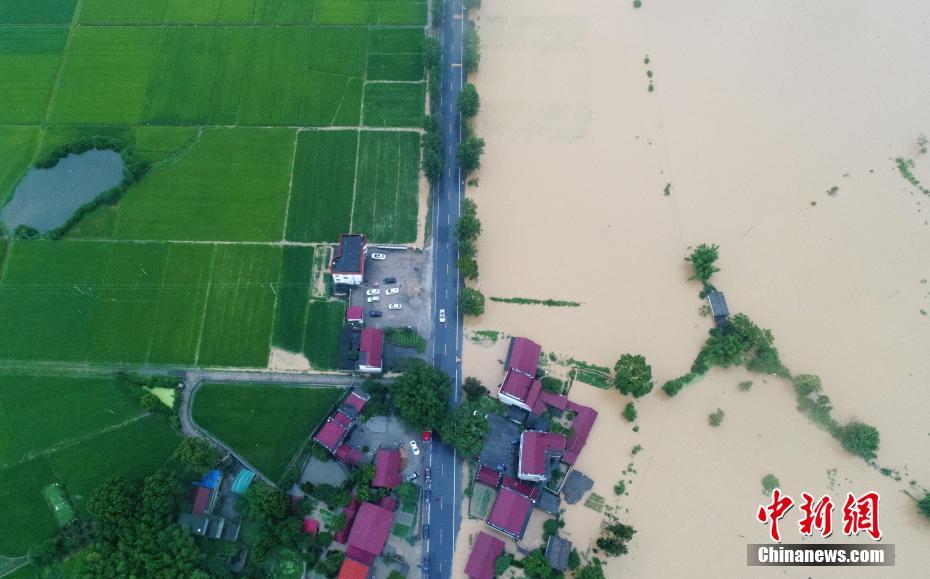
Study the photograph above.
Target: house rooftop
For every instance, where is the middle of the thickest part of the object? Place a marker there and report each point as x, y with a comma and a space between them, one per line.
537, 450
522, 387
369, 533
581, 428
200, 496
342, 535
557, 552
357, 400
510, 513
387, 469
483, 556
523, 356
488, 476
718, 304
372, 340
349, 455
349, 256
355, 314
352, 569
331, 434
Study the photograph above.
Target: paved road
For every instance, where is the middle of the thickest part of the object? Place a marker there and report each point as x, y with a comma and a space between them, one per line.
443, 511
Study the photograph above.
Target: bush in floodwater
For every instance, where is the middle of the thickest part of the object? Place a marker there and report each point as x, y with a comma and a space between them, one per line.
629, 412
860, 439
924, 505
769, 483
716, 418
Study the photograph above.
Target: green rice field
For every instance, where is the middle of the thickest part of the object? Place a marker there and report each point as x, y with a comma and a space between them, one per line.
227, 100
75, 432
267, 424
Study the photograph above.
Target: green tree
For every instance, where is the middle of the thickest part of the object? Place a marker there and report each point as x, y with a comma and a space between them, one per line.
467, 265
432, 149
408, 492
468, 154
330, 566
574, 560
113, 504
535, 566
469, 101
421, 395
629, 412
503, 563
471, 51
860, 439
336, 523
633, 375
197, 453
471, 301
465, 430
593, 570
266, 503
924, 505
702, 261
473, 388
469, 226
614, 539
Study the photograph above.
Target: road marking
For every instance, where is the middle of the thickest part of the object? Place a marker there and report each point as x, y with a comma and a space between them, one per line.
447, 268
447, 294
456, 65
445, 349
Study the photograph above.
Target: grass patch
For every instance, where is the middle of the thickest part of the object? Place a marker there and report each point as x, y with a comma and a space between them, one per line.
293, 296
267, 424
485, 336
325, 321
595, 502
406, 338
323, 185
535, 302
394, 105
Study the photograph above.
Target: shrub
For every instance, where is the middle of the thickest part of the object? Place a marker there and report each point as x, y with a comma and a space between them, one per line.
471, 54
551, 384
471, 301
716, 418
924, 505
629, 412
620, 488
674, 386
860, 439
702, 260
745, 386
473, 388
769, 483
468, 154
469, 101
633, 375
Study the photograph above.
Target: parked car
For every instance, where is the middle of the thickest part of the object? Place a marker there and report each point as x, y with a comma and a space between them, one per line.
442, 316
395, 306
426, 475
414, 447
390, 280
375, 314
426, 564
373, 299
428, 492
427, 436
412, 476
426, 528
392, 291
372, 292
378, 256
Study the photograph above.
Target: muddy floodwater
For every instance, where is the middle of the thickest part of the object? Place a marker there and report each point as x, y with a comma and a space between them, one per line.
46, 198
772, 129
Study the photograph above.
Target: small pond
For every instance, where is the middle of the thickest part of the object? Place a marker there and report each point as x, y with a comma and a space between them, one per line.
46, 198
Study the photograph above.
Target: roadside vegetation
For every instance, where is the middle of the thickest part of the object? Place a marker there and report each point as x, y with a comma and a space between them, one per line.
537, 302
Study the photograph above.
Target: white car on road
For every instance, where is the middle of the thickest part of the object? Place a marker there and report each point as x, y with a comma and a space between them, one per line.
395, 306
378, 256
392, 291
414, 448
442, 316
373, 299
372, 292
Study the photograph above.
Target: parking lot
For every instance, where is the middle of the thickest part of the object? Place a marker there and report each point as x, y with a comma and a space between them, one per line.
412, 271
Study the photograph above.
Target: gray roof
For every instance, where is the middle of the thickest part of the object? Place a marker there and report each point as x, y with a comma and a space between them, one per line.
575, 486
557, 552
348, 256
549, 502
718, 304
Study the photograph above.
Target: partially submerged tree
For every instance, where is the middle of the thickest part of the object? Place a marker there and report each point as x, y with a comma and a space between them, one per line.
471, 301
633, 375
465, 430
469, 101
614, 539
473, 388
860, 439
702, 260
468, 154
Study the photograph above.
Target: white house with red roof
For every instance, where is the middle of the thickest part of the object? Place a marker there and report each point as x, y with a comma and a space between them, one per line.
537, 451
520, 387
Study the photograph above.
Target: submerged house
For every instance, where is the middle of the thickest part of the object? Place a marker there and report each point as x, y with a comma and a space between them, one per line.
538, 450
718, 307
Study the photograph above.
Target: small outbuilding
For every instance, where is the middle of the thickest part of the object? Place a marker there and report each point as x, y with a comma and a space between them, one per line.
718, 307
557, 552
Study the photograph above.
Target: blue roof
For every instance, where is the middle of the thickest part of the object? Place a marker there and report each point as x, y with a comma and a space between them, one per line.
718, 304
211, 480
243, 481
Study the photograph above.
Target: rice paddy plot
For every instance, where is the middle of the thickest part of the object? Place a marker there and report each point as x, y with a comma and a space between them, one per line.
395, 54
325, 321
104, 76
240, 310
394, 104
340, 12
122, 11
268, 424
29, 60
17, 145
230, 185
388, 185
41, 412
274, 76
293, 296
36, 11
322, 188
398, 12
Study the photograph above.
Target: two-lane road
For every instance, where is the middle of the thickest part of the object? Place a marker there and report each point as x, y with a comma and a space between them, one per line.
444, 510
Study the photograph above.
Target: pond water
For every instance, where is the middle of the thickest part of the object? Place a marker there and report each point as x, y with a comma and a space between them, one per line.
46, 198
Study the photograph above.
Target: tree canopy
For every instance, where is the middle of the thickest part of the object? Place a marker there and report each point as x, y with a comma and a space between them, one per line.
421, 395
471, 301
614, 539
197, 453
473, 388
702, 261
469, 153
860, 439
469, 101
464, 430
633, 375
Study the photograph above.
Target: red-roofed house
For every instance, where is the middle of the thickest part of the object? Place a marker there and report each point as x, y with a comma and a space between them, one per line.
554, 400
523, 356
483, 556
389, 503
357, 401
531, 492
348, 264
387, 469
310, 526
352, 569
581, 428
342, 535
510, 513
200, 496
488, 476
369, 533
537, 450
332, 434
347, 454
519, 390
355, 315
369, 350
